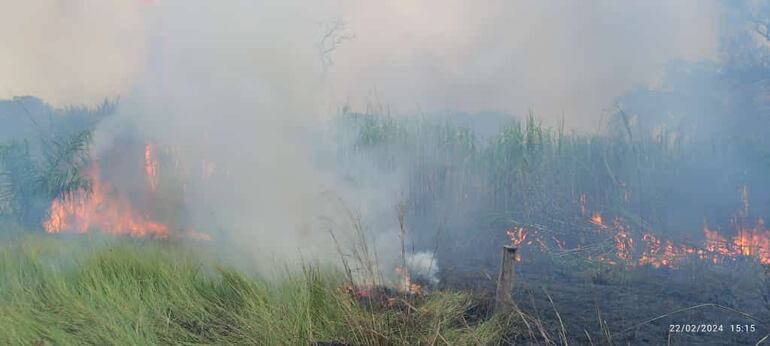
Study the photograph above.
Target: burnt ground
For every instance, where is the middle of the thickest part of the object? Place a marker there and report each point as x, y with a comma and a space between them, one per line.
627, 300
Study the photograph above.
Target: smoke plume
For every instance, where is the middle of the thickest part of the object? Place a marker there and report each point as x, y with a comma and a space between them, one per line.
243, 86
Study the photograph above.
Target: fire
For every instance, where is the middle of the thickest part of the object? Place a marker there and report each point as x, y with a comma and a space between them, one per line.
624, 243
645, 248
715, 242
665, 253
517, 235
754, 242
405, 281
596, 219
107, 209
101, 209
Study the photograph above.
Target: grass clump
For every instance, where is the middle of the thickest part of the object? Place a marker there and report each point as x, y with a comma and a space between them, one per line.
79, 291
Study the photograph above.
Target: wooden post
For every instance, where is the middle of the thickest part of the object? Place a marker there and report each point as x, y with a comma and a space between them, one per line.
504, 296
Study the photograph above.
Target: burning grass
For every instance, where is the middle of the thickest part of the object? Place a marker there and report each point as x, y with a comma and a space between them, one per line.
134, 291
611, 214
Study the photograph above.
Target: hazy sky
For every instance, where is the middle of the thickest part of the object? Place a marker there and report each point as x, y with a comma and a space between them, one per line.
573, 57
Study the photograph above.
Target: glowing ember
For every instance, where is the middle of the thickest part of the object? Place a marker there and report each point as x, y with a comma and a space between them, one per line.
623, 241
659, 253
517, 235
596, 219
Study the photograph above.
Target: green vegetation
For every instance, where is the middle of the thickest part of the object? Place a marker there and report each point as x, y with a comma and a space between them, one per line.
30, 181
525, 166
527, 174
127, 291
44, 158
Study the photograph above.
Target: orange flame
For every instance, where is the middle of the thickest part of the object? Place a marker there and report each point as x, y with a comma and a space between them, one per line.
103, 210
517, 235
751, 242
405, 281
596, 219
623, 241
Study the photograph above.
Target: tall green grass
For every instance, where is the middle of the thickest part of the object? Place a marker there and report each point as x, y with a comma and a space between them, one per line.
139, 292
530, 174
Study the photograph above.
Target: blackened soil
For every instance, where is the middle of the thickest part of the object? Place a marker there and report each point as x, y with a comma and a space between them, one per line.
637, 306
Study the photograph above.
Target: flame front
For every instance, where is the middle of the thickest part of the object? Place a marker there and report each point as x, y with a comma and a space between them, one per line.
748, 242
101, 209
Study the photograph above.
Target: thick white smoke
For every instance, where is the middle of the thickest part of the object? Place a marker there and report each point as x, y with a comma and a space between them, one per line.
244, 84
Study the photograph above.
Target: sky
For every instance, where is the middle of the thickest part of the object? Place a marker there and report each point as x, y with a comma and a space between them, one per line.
568, 59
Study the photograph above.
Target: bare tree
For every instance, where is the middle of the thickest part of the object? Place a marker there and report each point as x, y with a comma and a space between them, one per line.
334, 33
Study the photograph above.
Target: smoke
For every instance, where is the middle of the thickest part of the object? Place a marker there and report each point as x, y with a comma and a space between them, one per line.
230, 86
244, 86
423, 265
70, 52
556, 58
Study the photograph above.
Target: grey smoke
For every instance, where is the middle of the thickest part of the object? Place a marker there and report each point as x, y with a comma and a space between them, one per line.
423, 265
242, 84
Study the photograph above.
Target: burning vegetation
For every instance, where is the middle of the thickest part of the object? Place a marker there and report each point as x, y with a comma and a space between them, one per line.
637, 247
632, 248
634, 218
102, 209
524, 180
134, 211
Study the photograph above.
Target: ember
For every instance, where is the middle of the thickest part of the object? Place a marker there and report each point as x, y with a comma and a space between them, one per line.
405, 281
596, 219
